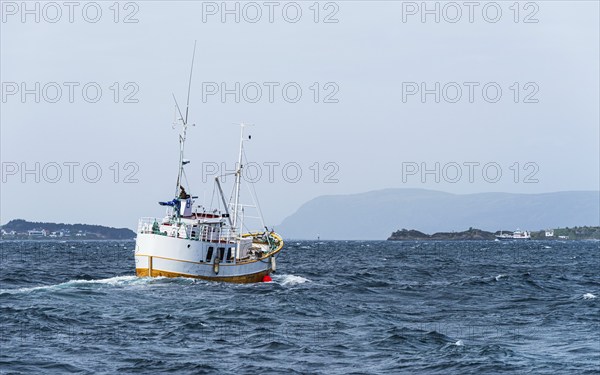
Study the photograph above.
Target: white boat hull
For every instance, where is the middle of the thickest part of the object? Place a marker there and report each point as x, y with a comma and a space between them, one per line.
159, 255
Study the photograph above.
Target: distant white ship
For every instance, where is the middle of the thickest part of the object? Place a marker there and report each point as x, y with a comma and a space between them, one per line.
516, 235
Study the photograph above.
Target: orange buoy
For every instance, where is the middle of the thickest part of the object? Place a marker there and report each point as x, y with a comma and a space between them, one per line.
267, 279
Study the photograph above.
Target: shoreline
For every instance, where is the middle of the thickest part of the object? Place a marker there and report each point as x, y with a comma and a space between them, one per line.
558, 234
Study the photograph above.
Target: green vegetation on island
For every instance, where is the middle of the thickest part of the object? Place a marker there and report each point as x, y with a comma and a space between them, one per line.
574, 233
25, 230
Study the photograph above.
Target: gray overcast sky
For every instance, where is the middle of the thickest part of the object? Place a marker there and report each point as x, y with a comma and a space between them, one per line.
370, 61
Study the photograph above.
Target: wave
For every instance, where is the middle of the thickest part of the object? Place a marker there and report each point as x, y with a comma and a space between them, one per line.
121, 281
111, 281
589, 296
290, 279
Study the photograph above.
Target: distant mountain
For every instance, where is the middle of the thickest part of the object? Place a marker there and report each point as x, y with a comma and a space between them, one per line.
25, 229
376, 214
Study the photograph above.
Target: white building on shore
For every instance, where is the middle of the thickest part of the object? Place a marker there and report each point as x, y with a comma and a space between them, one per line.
37, 233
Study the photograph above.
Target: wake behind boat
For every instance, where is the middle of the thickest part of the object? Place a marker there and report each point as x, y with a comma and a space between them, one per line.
191, 241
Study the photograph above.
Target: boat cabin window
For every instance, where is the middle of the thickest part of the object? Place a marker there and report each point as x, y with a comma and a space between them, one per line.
229, 255
221, 253
209, 254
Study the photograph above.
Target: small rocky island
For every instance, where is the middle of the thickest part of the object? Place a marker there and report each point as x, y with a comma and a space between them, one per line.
25, 230
574, 233
415, 235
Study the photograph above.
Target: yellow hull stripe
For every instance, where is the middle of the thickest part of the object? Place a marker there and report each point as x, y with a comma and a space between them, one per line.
242, 279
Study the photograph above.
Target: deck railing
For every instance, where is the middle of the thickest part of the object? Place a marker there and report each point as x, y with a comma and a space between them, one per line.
145, 224
203, 232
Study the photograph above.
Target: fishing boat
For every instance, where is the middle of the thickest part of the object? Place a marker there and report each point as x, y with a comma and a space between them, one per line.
516, 235
205, 242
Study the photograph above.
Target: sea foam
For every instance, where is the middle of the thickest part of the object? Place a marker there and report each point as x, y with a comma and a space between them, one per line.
112, 281
290, 279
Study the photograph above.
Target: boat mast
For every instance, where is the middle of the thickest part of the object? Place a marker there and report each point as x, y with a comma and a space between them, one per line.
182, 137
184, 120
238, 177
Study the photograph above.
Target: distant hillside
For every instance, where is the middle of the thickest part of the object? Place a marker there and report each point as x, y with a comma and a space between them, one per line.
376, 214
25, 229
574, 233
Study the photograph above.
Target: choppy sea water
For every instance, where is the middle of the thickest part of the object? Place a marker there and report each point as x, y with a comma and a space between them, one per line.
333, 308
